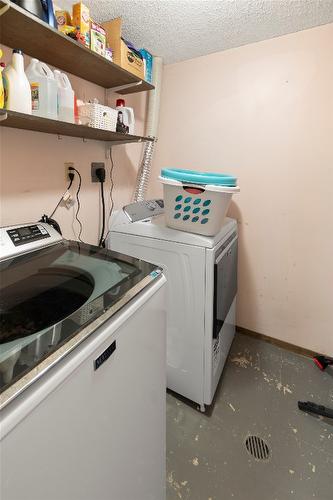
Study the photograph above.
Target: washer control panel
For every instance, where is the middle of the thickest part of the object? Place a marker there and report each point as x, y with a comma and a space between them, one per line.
26, 234
144, 209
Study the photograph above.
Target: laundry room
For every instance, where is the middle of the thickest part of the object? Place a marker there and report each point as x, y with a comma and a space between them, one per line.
166, 271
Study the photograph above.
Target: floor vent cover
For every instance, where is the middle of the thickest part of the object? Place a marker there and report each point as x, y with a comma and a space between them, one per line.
257, 447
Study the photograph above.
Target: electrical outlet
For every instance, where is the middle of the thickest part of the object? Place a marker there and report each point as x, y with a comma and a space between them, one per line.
94, 167
67, 165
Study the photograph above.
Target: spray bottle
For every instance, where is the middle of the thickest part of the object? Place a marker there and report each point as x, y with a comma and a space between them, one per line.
126, 121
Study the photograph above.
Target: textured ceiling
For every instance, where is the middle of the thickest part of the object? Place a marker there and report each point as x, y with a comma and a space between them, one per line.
183, 29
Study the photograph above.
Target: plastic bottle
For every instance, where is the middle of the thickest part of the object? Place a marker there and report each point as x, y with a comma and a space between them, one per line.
44, 89
49, 13
65, 97
2, 92
16, 85
127, 118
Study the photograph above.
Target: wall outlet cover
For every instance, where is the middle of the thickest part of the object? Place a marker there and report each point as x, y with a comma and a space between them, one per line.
94, 167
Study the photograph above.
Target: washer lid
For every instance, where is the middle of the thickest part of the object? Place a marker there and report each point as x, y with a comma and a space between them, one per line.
156, 228
50, 294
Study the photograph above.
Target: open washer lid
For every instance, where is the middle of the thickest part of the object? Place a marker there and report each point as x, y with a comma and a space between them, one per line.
49, 294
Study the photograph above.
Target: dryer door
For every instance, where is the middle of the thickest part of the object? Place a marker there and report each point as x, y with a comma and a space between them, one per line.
225, 281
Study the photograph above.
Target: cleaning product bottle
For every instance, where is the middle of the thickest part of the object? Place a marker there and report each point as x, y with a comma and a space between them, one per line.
49, 13
44, 89
2, 93
16, 85
126, 120
65, 97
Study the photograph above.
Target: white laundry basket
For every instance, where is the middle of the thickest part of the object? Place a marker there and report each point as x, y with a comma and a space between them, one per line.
99, 116
196, 202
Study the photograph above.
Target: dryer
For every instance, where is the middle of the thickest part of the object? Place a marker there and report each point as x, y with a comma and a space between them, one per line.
201, 277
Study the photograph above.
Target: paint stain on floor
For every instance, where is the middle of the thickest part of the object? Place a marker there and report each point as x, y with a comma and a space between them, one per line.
206, 454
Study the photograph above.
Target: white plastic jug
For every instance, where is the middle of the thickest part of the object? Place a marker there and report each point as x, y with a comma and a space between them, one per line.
44, 89
127, 117
65, 97
16, 85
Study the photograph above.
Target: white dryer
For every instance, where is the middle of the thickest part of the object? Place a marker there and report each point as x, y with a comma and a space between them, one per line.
201, 277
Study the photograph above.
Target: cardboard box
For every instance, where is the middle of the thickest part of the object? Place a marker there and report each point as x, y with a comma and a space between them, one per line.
81, 21
122, 55
148, 62
97, 39
63, 18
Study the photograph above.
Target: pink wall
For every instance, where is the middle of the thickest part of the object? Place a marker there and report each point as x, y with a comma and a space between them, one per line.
264, 112
33, 172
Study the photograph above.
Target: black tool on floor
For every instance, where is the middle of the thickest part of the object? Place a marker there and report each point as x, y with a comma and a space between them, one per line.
322, 362
309, 407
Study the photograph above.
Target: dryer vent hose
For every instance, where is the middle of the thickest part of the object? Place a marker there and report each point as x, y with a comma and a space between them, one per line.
151, 132
144, 172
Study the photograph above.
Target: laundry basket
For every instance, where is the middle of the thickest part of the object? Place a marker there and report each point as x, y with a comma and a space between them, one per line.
196, 202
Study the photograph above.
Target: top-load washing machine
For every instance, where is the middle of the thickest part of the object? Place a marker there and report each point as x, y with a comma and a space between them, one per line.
201, 277
82, 350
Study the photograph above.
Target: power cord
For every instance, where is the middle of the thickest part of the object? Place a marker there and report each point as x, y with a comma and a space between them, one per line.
111, 197
48, 219
71, 178
77, 199
100, 174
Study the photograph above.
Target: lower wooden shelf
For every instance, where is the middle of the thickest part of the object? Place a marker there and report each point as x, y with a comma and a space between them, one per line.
22, 121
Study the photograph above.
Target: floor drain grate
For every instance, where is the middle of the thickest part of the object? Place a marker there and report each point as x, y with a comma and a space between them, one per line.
257, 447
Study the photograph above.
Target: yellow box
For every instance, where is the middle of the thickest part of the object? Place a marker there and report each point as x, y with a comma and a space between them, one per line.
81, 20
63, 18
122, 55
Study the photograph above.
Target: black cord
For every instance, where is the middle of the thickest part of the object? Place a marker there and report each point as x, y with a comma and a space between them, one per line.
111, 197
78, 203
69, 186
101, 240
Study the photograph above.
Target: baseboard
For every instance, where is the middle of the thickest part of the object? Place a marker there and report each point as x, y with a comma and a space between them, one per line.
280, 343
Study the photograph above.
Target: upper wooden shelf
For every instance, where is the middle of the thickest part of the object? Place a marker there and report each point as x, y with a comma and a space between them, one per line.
22, 30
12, 119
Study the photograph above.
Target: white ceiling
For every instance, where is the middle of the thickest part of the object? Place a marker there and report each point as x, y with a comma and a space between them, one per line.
183, 29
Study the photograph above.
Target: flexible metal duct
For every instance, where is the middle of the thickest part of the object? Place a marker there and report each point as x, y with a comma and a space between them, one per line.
151, 131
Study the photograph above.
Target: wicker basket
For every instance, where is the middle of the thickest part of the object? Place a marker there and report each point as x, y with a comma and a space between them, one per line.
98, 116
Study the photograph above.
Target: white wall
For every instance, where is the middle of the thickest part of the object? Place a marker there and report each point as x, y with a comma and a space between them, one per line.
265, 113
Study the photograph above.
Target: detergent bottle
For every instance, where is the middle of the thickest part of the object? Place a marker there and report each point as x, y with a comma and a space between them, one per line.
126, 119
65, 97
44, 89
2, 92
16, 85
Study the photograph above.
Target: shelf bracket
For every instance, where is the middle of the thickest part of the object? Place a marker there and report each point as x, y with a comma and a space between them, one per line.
4, 9
124, 87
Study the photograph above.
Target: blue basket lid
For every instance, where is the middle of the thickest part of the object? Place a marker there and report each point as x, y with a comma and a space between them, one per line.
194, 177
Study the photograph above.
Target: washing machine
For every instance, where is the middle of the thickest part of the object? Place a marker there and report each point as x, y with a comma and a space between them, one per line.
82, 370
201, 277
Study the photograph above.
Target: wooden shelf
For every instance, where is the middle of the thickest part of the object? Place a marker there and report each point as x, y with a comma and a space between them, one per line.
20, 29
37, 124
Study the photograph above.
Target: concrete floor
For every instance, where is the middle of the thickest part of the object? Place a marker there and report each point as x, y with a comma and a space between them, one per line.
261, 384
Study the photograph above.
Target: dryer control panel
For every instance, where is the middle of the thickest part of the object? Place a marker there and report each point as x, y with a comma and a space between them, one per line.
26, 234
144, 209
